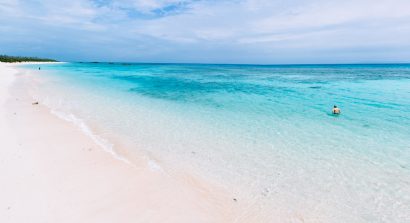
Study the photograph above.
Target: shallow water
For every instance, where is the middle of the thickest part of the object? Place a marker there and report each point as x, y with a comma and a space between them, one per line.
265, 132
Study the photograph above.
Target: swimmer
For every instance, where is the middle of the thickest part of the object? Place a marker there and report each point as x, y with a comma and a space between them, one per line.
336, 110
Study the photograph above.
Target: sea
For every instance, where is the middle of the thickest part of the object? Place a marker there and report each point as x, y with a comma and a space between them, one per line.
266, 133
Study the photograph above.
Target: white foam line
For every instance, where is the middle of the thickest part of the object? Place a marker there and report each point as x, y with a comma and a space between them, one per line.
103, 143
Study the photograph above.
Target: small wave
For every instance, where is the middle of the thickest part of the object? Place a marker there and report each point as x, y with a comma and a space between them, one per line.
103, 143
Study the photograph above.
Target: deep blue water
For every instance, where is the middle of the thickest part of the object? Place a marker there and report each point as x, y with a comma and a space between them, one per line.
266, 132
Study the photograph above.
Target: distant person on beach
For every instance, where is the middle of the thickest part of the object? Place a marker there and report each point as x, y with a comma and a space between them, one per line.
39, 68
336, 110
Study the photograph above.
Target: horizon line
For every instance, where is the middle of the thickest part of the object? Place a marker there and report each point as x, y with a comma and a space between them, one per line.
249, 64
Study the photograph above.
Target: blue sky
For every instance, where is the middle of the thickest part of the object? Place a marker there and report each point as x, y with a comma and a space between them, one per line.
208, 31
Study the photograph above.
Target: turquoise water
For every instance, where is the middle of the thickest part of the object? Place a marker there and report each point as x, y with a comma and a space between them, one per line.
264, 132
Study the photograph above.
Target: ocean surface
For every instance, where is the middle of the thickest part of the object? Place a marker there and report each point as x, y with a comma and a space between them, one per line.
266, 133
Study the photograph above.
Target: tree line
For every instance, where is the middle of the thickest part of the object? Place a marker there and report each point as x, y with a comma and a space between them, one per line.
15, 59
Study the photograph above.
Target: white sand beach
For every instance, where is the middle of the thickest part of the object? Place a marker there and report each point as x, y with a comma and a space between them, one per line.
52, 172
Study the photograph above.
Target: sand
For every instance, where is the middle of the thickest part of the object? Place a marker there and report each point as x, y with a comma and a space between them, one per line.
50, 171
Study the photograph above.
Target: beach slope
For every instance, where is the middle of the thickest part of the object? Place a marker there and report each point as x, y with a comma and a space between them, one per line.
51, 172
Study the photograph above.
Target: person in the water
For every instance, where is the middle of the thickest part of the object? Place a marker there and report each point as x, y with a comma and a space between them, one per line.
336, 110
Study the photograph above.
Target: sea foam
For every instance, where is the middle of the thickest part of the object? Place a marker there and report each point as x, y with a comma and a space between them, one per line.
103, 143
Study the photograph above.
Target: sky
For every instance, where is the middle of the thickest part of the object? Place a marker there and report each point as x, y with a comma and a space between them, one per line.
208, 31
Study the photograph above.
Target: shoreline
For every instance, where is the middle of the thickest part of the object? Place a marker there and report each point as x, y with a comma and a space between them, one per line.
194, 168
55, 173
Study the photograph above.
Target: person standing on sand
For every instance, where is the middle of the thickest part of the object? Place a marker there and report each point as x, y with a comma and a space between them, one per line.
336, 110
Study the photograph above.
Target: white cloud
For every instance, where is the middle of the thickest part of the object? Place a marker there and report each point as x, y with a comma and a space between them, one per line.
149, 5
264, 26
